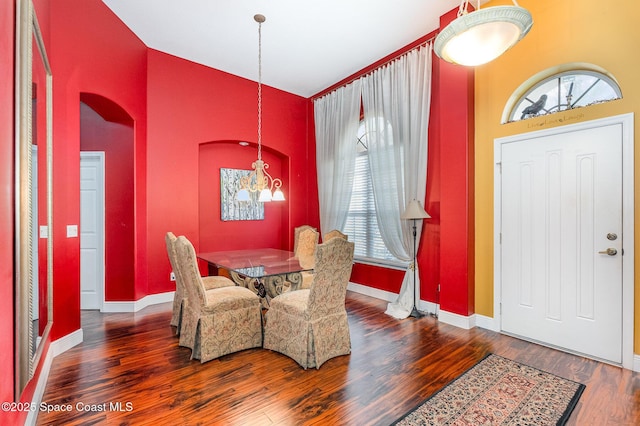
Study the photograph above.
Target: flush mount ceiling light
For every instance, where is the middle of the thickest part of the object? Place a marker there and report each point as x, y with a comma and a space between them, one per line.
259, 180
477, 37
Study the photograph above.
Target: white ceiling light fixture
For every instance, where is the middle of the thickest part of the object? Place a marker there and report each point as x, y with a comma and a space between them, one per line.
477, 37
259, 180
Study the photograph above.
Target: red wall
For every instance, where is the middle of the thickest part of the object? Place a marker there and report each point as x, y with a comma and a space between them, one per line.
86, 60
216, 234
456, 122
189, 121
181, 113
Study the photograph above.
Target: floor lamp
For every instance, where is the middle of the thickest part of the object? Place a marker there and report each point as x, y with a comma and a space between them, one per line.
414, 212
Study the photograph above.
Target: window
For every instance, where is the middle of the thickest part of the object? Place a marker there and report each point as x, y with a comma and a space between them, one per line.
362, 225
564, 91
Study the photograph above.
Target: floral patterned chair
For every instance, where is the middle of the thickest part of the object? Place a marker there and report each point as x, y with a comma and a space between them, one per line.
219, 321
296, 235
304, 246
334, 234
310, 325
180, 297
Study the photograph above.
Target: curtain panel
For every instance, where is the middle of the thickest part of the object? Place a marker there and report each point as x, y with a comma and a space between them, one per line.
396, 100
337, 117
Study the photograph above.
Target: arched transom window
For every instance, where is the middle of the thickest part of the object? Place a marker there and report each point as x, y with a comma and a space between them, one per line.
562, 91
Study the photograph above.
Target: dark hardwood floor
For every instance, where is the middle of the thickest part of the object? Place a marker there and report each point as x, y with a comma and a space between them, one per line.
133, 362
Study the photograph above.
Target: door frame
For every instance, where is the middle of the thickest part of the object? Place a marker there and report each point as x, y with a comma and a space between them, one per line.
100, 156
628, 215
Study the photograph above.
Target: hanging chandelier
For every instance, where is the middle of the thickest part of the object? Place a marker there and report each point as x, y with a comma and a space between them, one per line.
477, 37
259, 180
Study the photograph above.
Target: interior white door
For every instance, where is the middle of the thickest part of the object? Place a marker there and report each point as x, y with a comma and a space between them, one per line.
92, 230
561, 254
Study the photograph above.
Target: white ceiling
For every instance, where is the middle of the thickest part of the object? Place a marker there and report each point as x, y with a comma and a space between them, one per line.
307, 45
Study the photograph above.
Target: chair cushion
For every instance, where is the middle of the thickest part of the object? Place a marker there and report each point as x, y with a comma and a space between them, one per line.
229, 298
216, 281
292, 302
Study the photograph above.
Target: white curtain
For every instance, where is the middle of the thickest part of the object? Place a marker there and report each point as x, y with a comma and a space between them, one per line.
337, 117
396, 100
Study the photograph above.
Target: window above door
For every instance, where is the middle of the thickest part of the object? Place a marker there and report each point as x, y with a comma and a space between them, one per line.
560, 89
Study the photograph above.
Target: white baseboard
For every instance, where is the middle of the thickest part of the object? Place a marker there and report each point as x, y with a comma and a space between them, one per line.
487, 323
67, 342
428, 307
457, 320
137, 305
636, 362
32, 415
56, 348
373, 292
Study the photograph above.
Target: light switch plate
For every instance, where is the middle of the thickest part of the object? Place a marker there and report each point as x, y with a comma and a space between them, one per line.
72, 231
44, 231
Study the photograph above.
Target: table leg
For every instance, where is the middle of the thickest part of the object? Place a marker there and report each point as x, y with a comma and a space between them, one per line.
237, 278
295, 278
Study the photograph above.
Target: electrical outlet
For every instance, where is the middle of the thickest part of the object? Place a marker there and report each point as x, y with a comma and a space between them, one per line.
172, 276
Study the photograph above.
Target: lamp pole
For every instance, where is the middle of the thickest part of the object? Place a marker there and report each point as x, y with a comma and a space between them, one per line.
414, 311
415, 211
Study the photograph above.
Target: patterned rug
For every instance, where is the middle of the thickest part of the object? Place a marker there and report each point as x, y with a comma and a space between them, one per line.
498, 391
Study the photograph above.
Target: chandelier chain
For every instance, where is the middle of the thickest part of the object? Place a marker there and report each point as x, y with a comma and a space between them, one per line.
259, 90
260, 180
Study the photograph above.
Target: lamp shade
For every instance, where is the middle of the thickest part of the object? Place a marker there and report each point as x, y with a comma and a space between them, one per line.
478, 37
265, 195
243, 195
415, 210
278, 195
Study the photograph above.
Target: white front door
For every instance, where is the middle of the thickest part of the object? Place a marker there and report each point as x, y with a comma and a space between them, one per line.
91, 230
562, 240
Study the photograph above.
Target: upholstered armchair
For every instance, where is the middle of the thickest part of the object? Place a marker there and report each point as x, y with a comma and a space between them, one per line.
304, 246
334, 234
218, 321
310, 325
180, 297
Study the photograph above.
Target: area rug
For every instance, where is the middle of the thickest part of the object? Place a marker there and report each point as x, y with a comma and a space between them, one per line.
499, 391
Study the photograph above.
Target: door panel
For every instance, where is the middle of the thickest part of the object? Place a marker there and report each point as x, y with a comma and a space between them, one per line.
561, 197
91, 230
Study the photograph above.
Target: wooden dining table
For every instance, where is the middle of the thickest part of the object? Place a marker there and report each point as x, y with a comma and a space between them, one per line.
267, 271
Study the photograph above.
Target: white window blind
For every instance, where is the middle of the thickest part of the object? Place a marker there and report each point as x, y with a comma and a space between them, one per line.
362, 225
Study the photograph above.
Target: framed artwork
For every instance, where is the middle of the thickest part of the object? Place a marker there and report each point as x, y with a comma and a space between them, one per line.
230, 208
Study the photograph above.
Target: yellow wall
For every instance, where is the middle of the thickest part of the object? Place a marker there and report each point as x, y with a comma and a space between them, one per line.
603, 33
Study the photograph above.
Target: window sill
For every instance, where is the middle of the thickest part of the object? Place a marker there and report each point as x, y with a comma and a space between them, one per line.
400, 266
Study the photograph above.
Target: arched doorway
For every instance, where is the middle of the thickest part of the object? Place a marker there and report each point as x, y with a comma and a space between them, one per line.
107, 209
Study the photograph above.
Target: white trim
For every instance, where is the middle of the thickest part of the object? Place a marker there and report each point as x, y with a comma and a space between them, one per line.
424, 306
487, 323
460, 321
628, 215
373, 292
137, 305
67, 342
636, 363
56, 348
32, 415
98, 158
